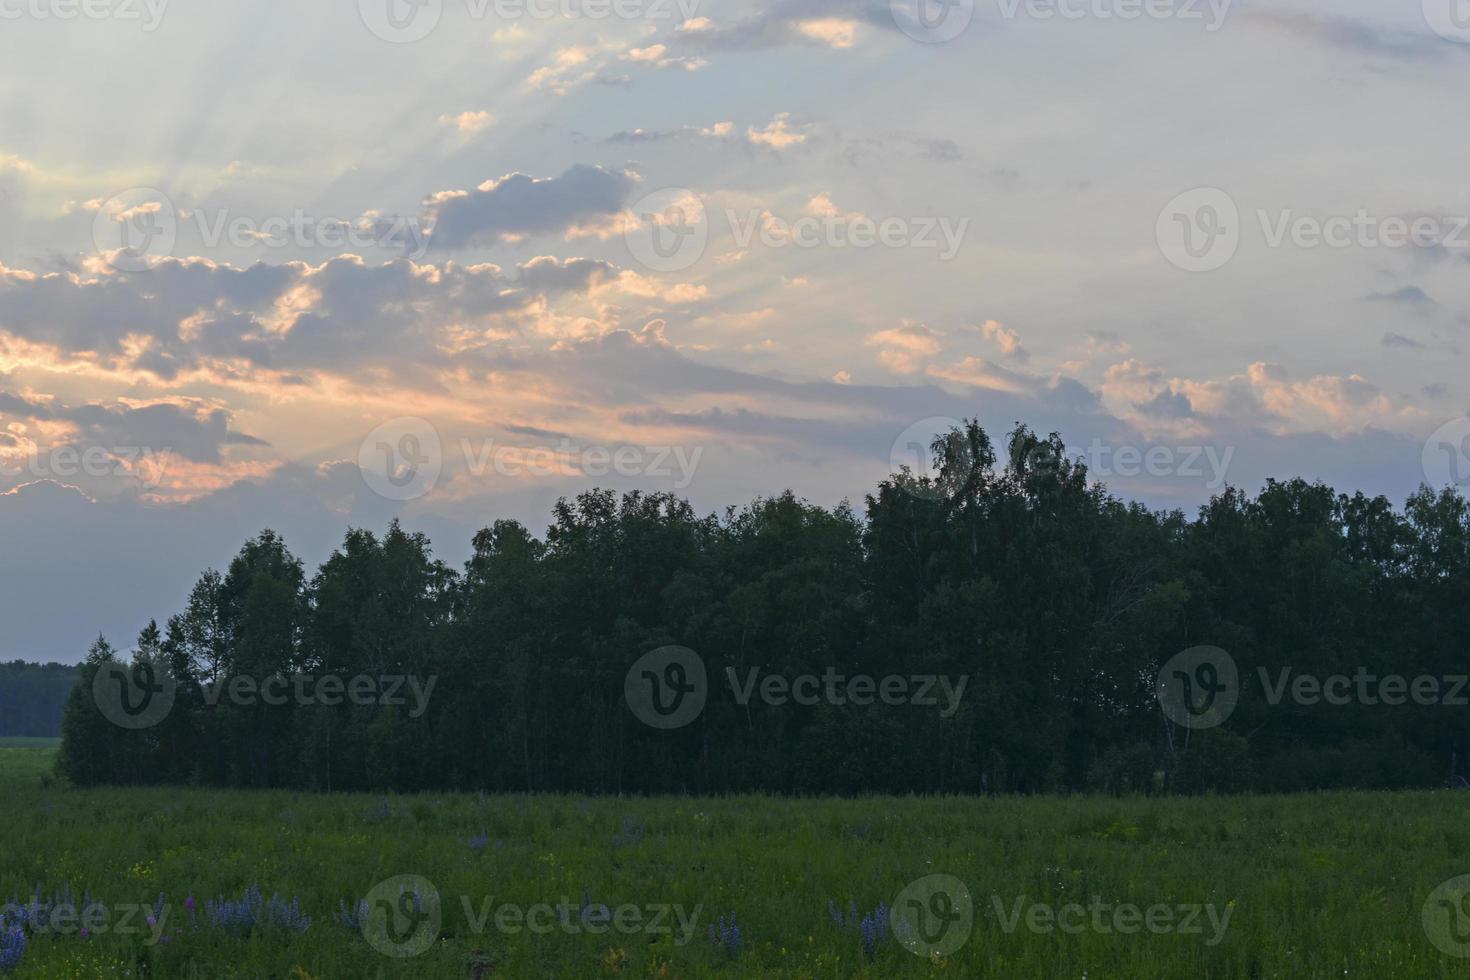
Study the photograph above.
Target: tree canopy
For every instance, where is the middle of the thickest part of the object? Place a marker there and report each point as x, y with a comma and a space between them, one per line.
1058, 601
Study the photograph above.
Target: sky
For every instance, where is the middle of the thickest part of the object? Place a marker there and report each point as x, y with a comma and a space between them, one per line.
312, 266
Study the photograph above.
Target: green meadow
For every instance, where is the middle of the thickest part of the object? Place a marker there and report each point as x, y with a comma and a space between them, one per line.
1331, 885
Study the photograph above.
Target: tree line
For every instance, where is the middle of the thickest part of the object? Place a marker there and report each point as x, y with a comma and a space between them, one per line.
32, 696
1056, 600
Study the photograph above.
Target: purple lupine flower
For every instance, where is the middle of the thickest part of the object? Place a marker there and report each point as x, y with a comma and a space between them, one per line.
12, 947
873, 929
870, 939
287, 915
727, 935
352, 918
252, 911
230, 915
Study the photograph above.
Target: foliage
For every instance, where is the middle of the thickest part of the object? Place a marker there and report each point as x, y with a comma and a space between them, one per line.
32, 697
1057, 601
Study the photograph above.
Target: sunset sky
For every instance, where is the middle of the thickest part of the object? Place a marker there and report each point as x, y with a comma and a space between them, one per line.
442, 243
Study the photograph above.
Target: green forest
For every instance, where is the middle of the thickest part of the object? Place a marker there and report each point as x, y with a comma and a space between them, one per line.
32, 697
1008, 566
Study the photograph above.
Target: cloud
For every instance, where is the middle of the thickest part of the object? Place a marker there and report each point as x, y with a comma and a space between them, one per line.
834, 32
518, 205
1006, 339
158, 448
777, 134
719, 130
905, 348
1168, 404
1356, 36
468, 122
658, 56
572, 64
192, 315
822, 206
1411, 296
580, 64
981, 373
941, 150
831, 24
10, 163
1400, 341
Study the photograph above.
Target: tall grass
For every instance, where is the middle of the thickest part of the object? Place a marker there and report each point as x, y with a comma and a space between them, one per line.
1329, 885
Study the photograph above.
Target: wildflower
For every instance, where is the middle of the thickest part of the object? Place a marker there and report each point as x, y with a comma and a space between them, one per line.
872, 928
252, 912
12, 947
727, 936
354, 917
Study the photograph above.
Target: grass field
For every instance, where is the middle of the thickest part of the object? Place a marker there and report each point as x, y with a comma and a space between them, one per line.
1324, 886
26, 742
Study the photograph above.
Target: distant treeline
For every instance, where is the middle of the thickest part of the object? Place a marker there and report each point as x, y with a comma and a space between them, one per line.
1058, 601
32, 696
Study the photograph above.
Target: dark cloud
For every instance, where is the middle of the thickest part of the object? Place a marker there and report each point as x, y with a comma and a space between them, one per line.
523, 205
194, 432
942, 150
549, 275
342, 314
1167, 405
1399, 340
1411, 296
